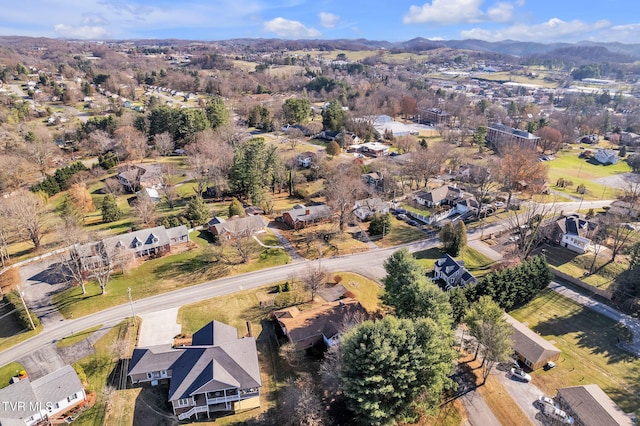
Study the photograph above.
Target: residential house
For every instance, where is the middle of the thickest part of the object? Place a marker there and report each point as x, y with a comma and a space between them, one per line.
498, 134
452, 201
625, 208
236, 227
363, 209
452, 272
606, 156
575, 233
321, 324
375, 180
136, 176
306, 159
629, 138
40, 401
142, 243
590, 406
530, 348
328, 135
301, 216
218, 372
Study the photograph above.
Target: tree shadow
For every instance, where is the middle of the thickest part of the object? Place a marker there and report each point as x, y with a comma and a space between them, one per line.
592, 331
55, 274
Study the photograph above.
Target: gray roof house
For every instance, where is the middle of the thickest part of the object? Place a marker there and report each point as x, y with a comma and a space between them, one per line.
218, 372
590, 406
141, 243
452, 272
370, 206
36, 402
531, 349
301, 216
236, 226
575, 233
606, 156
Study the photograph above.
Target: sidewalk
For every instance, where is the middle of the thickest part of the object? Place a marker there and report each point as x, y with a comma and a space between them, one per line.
295, 257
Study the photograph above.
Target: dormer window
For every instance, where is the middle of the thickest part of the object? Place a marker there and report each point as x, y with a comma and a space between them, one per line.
154, 239
137, 242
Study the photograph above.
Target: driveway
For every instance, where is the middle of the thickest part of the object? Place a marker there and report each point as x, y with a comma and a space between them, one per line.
39, 282
524, 394
158, 328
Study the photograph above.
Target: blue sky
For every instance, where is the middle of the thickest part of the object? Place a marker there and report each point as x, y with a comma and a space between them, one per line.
398, 20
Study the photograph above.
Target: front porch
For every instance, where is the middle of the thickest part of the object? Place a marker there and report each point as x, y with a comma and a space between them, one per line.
212, 402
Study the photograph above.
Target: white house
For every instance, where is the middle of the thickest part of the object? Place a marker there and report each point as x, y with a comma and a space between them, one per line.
34, 402
575, 233
606, 156
370, 206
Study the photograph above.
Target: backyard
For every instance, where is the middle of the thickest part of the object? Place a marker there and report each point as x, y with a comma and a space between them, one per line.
588, 342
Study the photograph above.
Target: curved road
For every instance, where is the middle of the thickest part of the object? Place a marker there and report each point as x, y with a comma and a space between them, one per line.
369, 264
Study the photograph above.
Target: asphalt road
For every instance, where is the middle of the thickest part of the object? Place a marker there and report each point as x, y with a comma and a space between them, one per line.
369, 264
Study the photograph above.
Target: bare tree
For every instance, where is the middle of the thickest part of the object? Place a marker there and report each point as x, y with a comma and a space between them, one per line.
550, 139
73, 268
520, 165
300, 405
530, 226
618, 232
244, 244
483, 181
98, 142
313, 279
145, 209
4, 241
41, 149
24, 209
109, 260
343, 186
168, 182
294, 136
164, 143
112, 186
132, 142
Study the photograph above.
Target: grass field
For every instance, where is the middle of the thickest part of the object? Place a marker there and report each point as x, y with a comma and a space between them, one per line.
567, 165
401, 233
118, 343
77, 337
9, 371
589, 353
162, 275
475, 262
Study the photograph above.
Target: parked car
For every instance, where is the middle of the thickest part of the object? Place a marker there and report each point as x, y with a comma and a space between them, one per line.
557, 414
412, 222
498, 204
520, 374
545, 400
549, 365
402, 216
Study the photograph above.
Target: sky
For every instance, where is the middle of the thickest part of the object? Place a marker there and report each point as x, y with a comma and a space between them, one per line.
392, 20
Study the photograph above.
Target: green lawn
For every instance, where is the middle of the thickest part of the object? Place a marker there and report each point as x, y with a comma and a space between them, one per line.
475, 262
367, 292
160, 276
567, 165
77, 337
9, 371
589, 353
401, 233
576, 265
116, 344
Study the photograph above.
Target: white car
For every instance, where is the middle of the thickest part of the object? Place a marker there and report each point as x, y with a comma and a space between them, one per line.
498, 204
546, 401
519, 374
558, 414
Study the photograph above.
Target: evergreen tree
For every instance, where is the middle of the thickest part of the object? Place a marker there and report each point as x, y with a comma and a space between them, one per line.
460, 241
380, 224
387, 364
197, 211
236, 208
69, 213
296, 110
217, 113
447, 237
110, 210
333, 116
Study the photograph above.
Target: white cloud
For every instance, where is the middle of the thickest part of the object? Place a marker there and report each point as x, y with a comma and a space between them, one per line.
288, 28
328, 20
83, 32
553, 30
501, 12
445, 12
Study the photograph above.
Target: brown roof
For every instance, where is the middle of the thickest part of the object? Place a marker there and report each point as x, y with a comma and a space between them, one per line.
326, 320
528, 344
593, 407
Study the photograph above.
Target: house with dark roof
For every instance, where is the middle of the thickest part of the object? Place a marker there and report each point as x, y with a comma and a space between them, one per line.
301, 216
236, 227
590, 406
218, 372
447, 200
452, 272
575, 233
530, 348
324, 323
42, 400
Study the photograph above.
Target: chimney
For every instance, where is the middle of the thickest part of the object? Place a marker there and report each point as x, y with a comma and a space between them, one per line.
249, 331
307, 212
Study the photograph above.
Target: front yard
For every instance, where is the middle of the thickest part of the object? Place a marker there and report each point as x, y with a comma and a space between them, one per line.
475, 262
588, 342
165, 274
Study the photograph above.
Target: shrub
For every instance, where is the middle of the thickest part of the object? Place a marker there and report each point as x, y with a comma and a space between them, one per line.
9, 280
14, 299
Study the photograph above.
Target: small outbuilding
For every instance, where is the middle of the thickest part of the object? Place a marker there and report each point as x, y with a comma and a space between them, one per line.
531, 349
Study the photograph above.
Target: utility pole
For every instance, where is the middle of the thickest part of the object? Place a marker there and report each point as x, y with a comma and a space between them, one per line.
133, 314
26, 310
